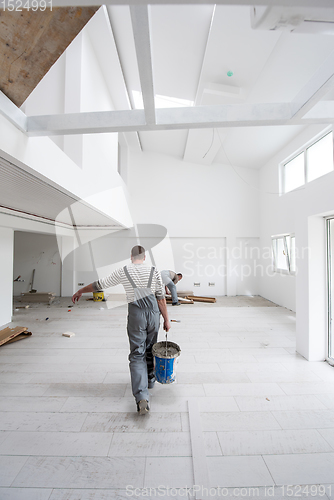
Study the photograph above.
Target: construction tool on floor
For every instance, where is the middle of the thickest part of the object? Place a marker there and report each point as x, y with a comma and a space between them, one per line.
180, 299
18, 279
32, 282
195, 298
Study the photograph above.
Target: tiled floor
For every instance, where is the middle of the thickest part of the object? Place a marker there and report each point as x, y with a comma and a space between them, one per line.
69, 430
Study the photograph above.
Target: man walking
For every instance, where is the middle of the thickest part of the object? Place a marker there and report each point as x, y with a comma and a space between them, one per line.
146, 300
169, 279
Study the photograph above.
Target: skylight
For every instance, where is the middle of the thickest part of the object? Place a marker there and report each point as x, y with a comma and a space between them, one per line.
161, 101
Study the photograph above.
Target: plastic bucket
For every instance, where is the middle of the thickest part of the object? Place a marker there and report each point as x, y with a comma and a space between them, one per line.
165, 354
98, 296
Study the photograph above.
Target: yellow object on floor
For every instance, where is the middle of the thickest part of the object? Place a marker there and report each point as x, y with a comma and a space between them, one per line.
98, 296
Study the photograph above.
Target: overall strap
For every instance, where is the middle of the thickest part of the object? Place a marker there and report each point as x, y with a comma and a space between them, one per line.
151, 277
133, 283
129, 277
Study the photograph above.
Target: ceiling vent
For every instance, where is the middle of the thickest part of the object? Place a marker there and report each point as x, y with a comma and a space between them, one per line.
293, 19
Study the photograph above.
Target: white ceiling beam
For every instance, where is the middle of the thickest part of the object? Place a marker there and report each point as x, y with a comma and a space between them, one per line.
238, 115
86, 123
224, 115
10, 111
323, 112
315, 89
190, 139
141, 34
281, 3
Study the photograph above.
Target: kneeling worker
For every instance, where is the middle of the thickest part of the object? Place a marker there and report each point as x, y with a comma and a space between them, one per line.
146, 300
169, 279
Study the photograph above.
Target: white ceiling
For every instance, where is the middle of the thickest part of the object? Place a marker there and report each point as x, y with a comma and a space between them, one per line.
193, 47
184, 52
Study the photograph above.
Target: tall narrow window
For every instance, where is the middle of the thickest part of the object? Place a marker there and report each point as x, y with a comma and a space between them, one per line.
330, 281
292, 254
320, 158
294, 173
280, 252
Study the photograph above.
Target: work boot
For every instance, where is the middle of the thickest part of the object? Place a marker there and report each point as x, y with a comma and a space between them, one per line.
151, 383
143, 407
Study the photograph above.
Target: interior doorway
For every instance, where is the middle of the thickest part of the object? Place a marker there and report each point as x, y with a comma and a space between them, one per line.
330, 281
37, 263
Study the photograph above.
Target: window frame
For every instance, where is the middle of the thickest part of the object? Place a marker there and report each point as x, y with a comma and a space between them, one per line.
287, 250
299, 151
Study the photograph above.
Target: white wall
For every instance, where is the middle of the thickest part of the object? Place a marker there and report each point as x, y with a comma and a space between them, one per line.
85, 165
205, 209
39, 252
300, 212
6, 275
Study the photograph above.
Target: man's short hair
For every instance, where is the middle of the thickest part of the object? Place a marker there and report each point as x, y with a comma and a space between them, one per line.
138, 252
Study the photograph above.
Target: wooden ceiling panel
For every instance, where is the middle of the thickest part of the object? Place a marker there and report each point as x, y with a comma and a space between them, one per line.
31, 42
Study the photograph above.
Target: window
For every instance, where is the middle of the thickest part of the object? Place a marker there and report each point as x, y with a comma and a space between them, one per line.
313, 161
294, 173
320, 157
292, 254
284, 253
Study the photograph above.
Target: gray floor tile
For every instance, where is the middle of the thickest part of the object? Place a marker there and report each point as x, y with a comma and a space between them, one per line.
89, 494
65, 444
86, 389
307, 419
272, 403
211, 444
9, 468
259, 389
158, 444
81, 472
131, 422
275, 442
238, 421
67, 378
99, 404
326, 399
25, 494
32, 403
227, 472
328, 434
211, 378
301, 468
308, 388
168, 472
39, 421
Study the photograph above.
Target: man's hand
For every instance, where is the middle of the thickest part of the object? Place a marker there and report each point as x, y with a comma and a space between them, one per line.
167, 325
76, 296
85, 289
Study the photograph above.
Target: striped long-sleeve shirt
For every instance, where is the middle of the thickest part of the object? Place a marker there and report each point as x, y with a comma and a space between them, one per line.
140, 273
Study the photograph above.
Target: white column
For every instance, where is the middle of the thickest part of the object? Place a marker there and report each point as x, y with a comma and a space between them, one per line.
68, 274
6, 274
232, 265
311, 289
73, 144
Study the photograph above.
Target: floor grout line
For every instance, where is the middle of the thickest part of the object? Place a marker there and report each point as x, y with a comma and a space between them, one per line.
200, 468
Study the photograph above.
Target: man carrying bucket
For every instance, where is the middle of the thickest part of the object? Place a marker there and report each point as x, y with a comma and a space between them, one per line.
146, 300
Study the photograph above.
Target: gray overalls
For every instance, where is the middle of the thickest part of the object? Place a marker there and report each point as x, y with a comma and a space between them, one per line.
143, 327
